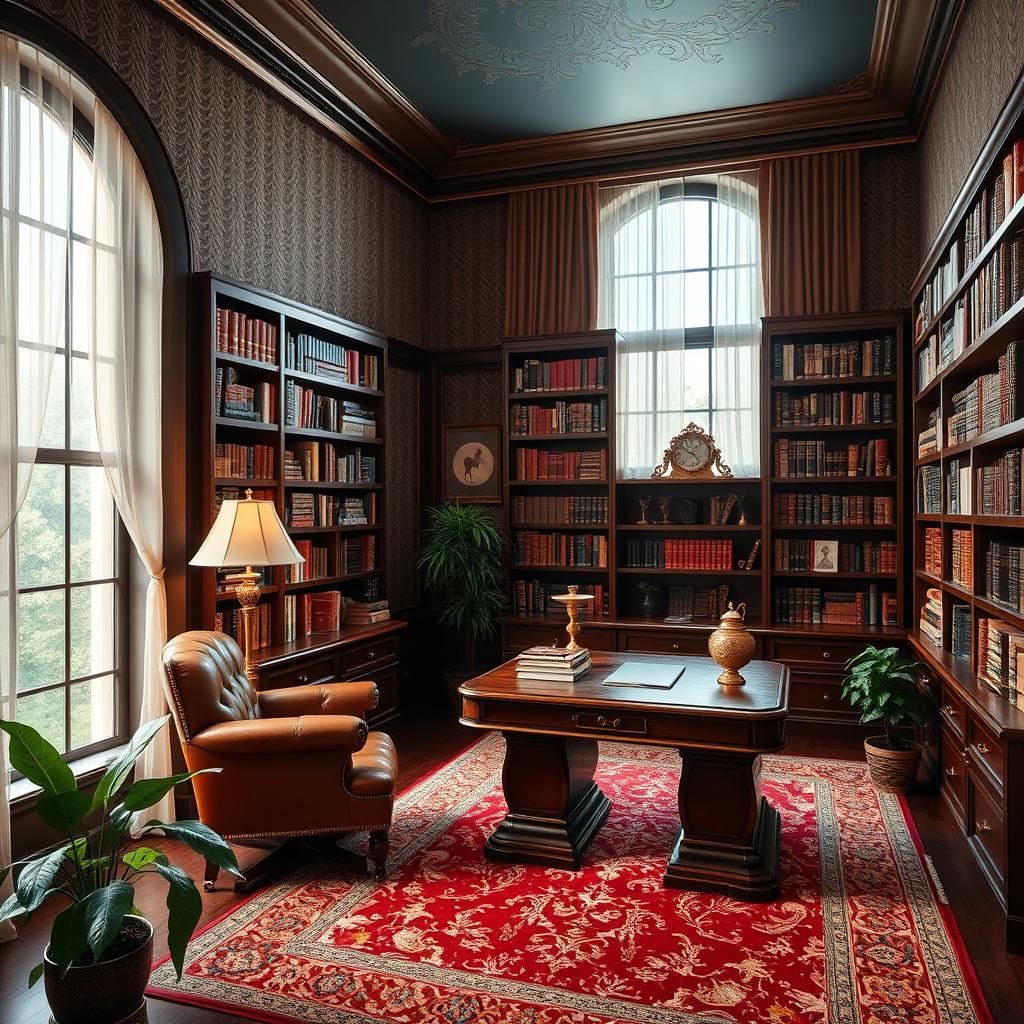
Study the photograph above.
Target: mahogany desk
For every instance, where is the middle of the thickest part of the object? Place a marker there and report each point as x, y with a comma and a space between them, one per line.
730, 835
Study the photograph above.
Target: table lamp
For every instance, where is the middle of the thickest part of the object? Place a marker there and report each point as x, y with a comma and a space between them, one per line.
247, 533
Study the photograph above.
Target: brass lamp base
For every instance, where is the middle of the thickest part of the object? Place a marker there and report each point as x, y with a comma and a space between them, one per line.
247, 591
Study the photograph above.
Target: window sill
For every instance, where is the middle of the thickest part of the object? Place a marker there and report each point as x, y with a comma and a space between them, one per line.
87, 770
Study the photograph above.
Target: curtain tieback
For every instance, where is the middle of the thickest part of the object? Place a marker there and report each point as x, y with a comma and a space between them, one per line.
157, 577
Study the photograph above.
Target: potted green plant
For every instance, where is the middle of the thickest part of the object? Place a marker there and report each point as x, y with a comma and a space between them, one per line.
883, 686
97, 963
462, 563
651, 602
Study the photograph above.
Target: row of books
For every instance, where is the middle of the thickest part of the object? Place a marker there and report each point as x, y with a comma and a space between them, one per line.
223, 493
961, 546
999, 485
938, 289
304, 510
535, 597
814, 459
720, 509
712, 554
587, 373
931, 545
958, 487
552, 664
833, 360
1003, 576
560, 418
245, 461
697, 604
315, 611
229, 620
239, 334
309, 410
586, 510
991, 401
832, 510
800, 606
332, 361
1001, 659
322, 463
255, 403
929, 490
540, 464
928, 439
584, 550
797, 555
930, 622
357, 554
834, 408
960, 632
225, 584
997, 199
314, 567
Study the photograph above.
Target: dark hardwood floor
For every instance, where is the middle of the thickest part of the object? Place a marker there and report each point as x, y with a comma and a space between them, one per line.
425, 740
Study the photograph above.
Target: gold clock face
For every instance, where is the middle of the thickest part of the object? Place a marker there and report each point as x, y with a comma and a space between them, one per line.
691, 454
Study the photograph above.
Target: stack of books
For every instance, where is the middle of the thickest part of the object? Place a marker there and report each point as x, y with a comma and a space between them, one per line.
931, 616
553, 664
366, 613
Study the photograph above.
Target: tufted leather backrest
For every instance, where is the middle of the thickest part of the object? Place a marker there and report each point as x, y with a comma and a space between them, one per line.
205, 682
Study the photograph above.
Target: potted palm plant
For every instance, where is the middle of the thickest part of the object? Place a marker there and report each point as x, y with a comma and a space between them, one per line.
96, 966
882, 685
462, 563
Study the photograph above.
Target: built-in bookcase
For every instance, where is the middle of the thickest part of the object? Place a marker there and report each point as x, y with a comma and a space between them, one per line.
968, 420
295, 405
834, 457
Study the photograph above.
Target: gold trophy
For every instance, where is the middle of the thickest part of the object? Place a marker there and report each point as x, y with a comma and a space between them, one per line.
573, 601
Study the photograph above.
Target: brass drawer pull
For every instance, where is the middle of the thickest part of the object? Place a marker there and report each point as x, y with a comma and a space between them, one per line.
982, 749
302, 680
675, 647
371, 655
951, 772
826, 655
827, 697
948, 709
605, 724
964, 754
982, 826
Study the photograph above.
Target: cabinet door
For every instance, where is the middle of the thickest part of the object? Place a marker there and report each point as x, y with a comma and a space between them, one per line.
954, 774
387, 704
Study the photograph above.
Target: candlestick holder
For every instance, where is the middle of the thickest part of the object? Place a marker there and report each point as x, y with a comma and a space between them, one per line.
572, 602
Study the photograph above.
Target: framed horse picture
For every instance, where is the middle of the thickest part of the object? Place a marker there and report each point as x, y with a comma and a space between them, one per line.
472, 467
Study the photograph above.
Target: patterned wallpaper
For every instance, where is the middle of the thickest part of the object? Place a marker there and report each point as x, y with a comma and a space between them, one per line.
467, 273
289, 207
987, 57
404, 496
890, 214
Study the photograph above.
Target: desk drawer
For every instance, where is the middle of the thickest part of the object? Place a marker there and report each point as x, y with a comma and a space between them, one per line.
632, 725
986, 828
387, 700
665, 643
316, 670
377, 652
819, 698
954, 773
952, 712
987, 751
829, 653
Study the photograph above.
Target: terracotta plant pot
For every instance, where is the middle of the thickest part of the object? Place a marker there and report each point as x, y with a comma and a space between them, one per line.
892, 771
110, 992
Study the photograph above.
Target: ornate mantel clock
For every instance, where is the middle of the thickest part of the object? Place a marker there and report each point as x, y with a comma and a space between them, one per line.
692, 455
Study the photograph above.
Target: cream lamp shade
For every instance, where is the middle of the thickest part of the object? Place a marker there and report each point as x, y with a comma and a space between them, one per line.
247, 533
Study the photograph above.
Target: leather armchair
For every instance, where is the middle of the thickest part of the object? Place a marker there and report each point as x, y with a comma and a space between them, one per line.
295, 762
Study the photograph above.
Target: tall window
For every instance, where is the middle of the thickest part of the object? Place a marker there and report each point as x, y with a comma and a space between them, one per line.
68, 543
680, 280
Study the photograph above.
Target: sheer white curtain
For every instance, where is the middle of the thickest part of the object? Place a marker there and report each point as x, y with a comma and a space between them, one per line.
679, 278
36, 123
125, 349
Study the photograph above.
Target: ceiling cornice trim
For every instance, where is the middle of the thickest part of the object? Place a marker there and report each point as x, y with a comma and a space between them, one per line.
296, 51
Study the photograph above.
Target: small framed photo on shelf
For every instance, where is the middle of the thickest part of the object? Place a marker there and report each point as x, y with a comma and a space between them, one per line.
472, 471
826, 556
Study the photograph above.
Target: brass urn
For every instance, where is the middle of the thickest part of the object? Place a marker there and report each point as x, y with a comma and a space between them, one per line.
731, 645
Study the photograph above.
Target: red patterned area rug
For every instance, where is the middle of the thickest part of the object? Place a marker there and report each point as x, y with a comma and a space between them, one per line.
860, 932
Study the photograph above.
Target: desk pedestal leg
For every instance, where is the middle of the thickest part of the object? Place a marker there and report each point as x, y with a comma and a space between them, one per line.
731, 835
554, 806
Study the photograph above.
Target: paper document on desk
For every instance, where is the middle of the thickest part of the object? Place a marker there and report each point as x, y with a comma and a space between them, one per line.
661, 675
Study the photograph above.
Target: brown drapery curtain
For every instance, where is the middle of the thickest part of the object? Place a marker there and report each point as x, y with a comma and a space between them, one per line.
551, 260
810, 233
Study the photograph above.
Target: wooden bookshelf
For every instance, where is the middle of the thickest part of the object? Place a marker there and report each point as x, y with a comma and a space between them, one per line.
325, 654
978, 742
791, 397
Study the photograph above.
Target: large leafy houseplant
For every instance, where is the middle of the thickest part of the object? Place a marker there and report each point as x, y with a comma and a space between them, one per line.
97, 863
462, 562
883, 686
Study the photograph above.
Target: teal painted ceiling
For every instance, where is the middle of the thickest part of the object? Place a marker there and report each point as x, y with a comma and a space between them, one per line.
497, 70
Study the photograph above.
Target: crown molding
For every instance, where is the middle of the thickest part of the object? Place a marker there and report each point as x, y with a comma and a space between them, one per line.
296, 51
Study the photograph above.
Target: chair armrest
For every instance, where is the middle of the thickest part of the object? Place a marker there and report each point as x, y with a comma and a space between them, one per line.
300, 735
319, 699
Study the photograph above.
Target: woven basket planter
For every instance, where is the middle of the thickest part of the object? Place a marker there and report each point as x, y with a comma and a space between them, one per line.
892, 771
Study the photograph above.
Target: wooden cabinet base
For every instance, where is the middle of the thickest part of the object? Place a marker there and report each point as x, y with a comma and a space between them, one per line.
555, 807
731, 836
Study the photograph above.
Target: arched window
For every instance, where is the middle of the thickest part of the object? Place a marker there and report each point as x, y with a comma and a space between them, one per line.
680, 280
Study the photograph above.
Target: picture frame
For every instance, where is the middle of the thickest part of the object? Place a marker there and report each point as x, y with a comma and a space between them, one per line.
472, 463
825, 556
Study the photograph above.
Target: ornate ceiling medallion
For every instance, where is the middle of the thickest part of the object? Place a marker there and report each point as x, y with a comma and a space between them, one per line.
595, 31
